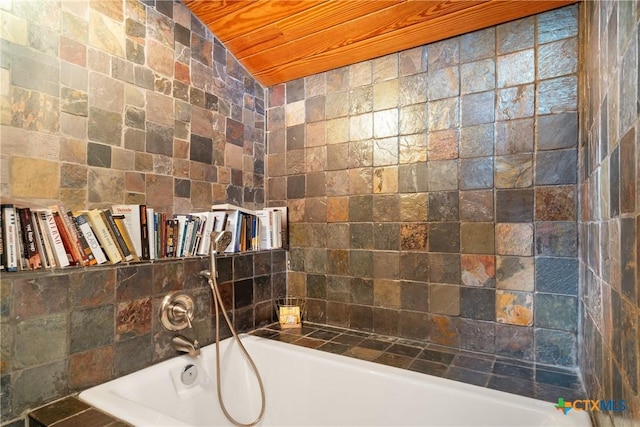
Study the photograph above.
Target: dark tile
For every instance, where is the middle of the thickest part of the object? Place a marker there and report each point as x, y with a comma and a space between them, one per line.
386, 321
414, 296
557, 275
514, 205
512, 385
436, 356
386, 207
361, 235
386, 236
443, 206
513, 371
294, 90
361, 263
477, 238
560, 378
323, 335
614, 182
360, 208
375, 344
414, 325
550, 393
59, 410
348, 339
428, 367
336, 348
361, 291
296, 187
477, 335
295, 137
628, 174
556, 167
476, 173
444, 237
404, 350
514, 342
467, 376
92, 328
557, 131
395, 360
361, 317
414, 266
444, 268
479, 364
477, 303
556, 239
555, 347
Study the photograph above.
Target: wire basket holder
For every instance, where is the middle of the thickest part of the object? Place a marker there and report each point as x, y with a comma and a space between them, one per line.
290, 311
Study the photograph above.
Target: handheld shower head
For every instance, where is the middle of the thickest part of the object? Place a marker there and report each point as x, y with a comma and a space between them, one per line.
219, 241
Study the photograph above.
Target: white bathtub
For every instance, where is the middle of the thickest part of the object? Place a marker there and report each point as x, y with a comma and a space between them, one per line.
306, 387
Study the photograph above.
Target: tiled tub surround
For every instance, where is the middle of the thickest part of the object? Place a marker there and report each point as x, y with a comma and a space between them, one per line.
66, 331
609, 175
432, 193
515, 376
510, 375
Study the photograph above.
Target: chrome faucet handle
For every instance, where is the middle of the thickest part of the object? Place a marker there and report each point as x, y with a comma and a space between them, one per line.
176, 311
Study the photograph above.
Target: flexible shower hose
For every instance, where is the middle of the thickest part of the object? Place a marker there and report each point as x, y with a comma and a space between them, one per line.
217, 302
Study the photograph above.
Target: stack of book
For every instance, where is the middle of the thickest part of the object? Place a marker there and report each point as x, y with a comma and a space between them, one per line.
251, 230
54, 237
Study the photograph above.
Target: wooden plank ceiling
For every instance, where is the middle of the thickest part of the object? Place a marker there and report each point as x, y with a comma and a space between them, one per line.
282, 40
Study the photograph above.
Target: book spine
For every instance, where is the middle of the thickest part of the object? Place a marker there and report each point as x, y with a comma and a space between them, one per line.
10, 243
73, 235
125, 253
92, 239
46, 252
28, 234
151, 232
101, 231
59, 252
66, 240
170, 238
144, 233
119, 221
88, 258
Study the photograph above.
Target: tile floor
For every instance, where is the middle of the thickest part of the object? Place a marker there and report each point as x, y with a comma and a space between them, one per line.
510, 375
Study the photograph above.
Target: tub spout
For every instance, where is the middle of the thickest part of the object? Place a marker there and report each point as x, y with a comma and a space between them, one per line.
185, 345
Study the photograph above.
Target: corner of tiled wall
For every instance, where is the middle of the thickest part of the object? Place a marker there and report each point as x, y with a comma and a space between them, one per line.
609, 167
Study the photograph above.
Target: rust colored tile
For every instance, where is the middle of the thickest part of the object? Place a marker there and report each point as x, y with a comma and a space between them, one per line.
413, 236
556, 203
91, 367
478, 270
443, 145
515, 308
133, 318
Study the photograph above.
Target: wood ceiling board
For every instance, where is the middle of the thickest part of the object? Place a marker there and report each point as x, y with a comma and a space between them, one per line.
296, 26
228, 25
282, 40
371, 27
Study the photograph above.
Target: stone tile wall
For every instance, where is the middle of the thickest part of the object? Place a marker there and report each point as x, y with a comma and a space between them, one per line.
125, 102
106, 102
609, 176
67, 331
432, 193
